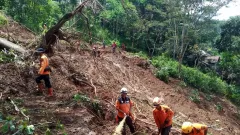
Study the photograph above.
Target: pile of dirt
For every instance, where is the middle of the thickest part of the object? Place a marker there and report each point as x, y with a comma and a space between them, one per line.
100, 79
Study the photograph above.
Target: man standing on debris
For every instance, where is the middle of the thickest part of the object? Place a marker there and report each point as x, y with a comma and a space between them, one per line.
189, 128
163, 117
123, 106
43, 73
114, 46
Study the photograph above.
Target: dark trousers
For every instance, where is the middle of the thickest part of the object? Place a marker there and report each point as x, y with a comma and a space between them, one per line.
129, 123
166, 130
114, 49
46, 79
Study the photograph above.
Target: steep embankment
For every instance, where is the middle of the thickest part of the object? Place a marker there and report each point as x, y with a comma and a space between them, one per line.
77, 71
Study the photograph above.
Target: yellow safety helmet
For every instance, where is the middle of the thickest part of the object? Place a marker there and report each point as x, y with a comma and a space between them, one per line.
187, 127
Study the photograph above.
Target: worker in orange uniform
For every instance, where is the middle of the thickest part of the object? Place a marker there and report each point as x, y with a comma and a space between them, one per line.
163, 117
43, 73
189, 128
114, 46
123, 106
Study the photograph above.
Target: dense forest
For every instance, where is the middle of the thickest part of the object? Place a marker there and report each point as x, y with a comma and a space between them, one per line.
178, 32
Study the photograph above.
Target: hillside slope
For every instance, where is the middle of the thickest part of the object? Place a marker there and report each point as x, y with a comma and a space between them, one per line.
109, 73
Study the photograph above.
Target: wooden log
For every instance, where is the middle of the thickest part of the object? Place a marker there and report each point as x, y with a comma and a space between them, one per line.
50, 37
9, 45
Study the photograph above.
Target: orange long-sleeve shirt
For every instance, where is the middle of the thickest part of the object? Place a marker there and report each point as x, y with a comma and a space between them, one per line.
163, 115
124, 105
199, 129
43, 64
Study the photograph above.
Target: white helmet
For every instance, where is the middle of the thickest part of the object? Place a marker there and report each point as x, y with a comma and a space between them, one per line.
156, 101
124, 90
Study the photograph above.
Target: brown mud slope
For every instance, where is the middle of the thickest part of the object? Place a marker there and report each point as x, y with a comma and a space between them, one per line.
101, 79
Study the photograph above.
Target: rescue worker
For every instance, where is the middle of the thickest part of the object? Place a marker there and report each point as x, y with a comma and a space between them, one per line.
189, 128
123, 106
163, 117
43, 73
114, 46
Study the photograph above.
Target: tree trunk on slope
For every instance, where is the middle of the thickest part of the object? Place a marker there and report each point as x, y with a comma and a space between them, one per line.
9, 45
54, 32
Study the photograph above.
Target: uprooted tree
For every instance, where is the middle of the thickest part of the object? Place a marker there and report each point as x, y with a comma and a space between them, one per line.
54, 33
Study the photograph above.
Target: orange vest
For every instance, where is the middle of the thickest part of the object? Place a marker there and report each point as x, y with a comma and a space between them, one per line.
43, 64
123, 105
198, 129
160, 116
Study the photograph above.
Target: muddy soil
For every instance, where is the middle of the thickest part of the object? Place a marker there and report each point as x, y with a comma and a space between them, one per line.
77, 71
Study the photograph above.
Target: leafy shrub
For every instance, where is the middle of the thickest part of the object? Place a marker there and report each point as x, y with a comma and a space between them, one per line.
92, 104
194, 96
3, 20
165, 62
142, 55
191, 76
163, 75
195, 78
233, 93
9, 125
7, 56
208, 97
182, 84
219, 107
132, 49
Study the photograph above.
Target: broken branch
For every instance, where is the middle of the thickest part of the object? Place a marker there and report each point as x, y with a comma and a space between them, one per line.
17, 109
95, 89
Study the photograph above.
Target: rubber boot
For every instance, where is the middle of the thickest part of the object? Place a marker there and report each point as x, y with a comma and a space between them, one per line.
50, 92
40, 89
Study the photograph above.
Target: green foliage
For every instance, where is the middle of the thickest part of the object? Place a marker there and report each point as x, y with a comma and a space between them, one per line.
182, 84
194, 96
61, 128
163, 74
191, 76
9, 125
195, 78
3, 20
92, 104
229, 65
230, 36
169, 65
208, 97
7, 56
48, 132
33, 13
219, 107
26, 129
141, 54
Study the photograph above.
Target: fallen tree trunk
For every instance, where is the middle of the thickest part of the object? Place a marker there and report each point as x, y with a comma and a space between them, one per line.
50, 36
9, 45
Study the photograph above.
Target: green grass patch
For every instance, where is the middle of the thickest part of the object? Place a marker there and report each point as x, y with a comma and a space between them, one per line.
7, 56
3, 20
207, 83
